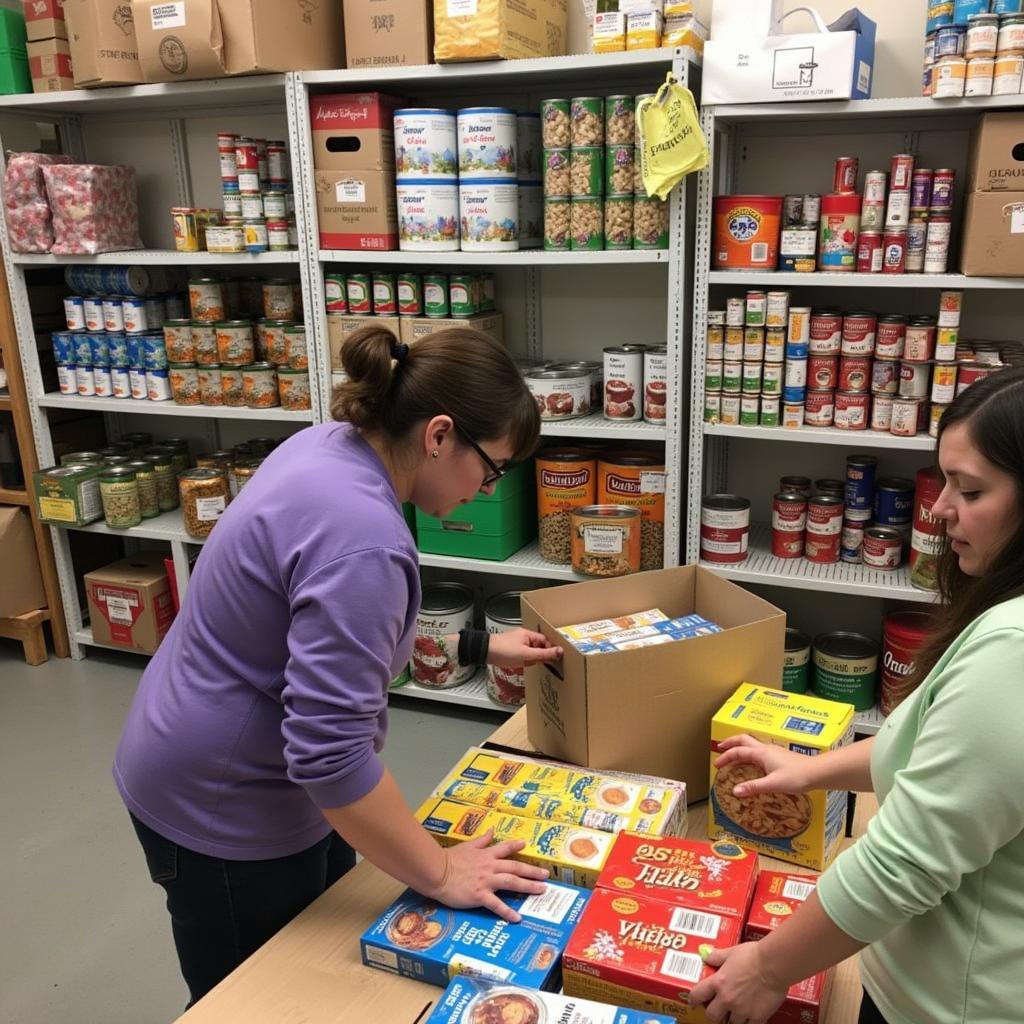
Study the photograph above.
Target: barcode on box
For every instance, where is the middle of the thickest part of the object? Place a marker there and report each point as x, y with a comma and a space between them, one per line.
759, 252
795, 890
693, 922
684, 966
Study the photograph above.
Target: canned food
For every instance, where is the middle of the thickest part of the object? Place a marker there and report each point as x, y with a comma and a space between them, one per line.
259, 386
796, 485
776, 309
894, 251
650, 223
486, 143
619, 120
796, 662
840, 224
852, 410
846, 669
927, 539
586, 114
133, 315
798, 249
851, 542
605, 540
845, 177
435, 295
914, 379
586, 223
822, 371
235, 343
445, 610
555, 123
919, 342
825, 332
618, 222
793, 414
359, 293
724, 528
789, 519
184, 379
775, 345
859, 334
158, 385
944, 383
204, 343
819, 408
293, 389
936, 252
154, 353
755, 308
335, 293
137, 383
712, 407
869, 253
232, 387
637, 480
1011, 34
385, 300
885, 377
750, 410
854, 373
894, 502
769, 416
713, 376
890, 336
904, 633
795, 373
734, 341
560, 394
883, 548
206, 299
1006, 80
655, 384
824, 528
208, 381
505, 686
771, 379
751, 384
753, 344
980, 76
906, 417
623, 381
618, 170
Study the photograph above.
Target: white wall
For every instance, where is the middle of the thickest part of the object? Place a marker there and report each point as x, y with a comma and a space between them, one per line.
898, 48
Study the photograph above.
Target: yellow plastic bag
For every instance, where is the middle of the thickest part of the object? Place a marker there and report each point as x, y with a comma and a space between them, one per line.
672, 144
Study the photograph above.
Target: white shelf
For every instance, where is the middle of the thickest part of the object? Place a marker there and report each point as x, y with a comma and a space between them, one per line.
595, 425
867, 723
763, 567
610, 67
135, 100
471, 694
520, 258
155, 257
146, 407
831, 110
167, 526
790, 279
526, 562
824, 435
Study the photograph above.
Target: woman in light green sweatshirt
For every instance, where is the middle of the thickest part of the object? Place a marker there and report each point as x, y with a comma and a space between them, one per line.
935, 888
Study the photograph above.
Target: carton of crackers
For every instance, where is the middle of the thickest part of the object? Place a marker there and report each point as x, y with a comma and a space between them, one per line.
776, 898
803, 828
643, 953
717, 878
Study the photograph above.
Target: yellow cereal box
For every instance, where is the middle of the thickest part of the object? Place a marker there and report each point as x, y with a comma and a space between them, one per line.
652, 805
571, 853
499, 29
803, 828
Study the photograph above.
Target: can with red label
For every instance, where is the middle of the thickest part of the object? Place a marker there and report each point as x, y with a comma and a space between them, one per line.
885, 377
859, 334
882, 548
919, 344
903, 635
881, 413
894, 251
819, 408
822, 371
824, 529
944, 383
724, 528
901, 172
845, 180
921, 189
927, 538
826, 332
869, 252
854, 373
917, 236
914, 380
970, 372
852, 410
789, 518
942, 189
890, 335
906, 416
872, 212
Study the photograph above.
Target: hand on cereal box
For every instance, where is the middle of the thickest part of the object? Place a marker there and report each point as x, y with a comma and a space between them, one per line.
476, 871
519, 647
781, 770
741, 990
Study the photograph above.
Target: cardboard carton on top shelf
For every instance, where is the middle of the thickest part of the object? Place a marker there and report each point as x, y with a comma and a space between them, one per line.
648, 710
49, 64
354, 131
130, 603
23, 586
996, 161
466, 30
103, 46
44, 19
388, 33
993, 240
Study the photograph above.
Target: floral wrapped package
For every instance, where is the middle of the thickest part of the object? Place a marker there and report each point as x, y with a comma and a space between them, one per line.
95, 208
29, 220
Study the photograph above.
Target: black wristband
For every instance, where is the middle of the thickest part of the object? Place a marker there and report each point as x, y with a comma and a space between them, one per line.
473, 646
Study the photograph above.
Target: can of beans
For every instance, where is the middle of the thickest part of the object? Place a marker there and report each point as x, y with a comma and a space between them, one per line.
733, 348
751, 378
754, 309
775, 345
914, 378
854, 373
796, 662
822, 371
623, 382
883, 548
566, 477
885, 377
819, 408
904, 633
724, 528
825, 332
824, 528
712, 375
894, 503
715, 342
750, 410
385, 297
852, 410
712, 407
890, 336
730, 411
410, 294
360, 293
869, 252
894, 251
800, 324
846, 669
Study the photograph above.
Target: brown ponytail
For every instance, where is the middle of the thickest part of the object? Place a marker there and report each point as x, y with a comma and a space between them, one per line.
458, 372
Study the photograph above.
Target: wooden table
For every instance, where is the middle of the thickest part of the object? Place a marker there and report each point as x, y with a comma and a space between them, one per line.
311, 972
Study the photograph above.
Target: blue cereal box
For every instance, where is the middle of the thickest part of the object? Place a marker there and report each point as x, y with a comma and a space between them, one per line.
419, 938
472, 1001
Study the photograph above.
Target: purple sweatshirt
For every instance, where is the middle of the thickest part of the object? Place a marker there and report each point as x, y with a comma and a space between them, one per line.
267, 699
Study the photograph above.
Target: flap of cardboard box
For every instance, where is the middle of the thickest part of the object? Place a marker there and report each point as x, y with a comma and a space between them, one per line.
996, 162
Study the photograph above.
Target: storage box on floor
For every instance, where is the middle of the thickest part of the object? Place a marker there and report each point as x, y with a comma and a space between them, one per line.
190, 39
387, 33
130, 603
993, 242
648, 710
499, 29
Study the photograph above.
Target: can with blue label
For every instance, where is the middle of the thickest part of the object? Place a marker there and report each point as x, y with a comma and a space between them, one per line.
154, 352
102, 382
940, 14
125, 281
134, 315
120, 382
99, 346
85, 381
137, 382
1007, 6
860, 481
158, 386
74, 312
797, 349
83, 349
93, 308
134, 342
84, 279
66, 379
894, 503
117, 346
964, 9
950, 41
794, 395
63, 347
113, 313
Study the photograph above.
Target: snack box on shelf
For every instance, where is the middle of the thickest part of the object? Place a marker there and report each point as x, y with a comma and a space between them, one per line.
718, 878
476, 1001
419, 938
776, 898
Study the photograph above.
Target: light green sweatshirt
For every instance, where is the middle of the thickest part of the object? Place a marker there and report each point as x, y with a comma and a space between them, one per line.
936, 884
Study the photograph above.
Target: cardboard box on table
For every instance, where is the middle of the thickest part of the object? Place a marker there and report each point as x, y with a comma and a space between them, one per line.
648, 710
761, 65
102, 38
22, 589
130, 603
993, 233
388, 33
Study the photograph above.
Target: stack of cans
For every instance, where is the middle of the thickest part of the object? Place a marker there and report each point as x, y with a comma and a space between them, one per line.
257, 191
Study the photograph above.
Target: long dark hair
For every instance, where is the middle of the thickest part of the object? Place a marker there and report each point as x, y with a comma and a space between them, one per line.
459, 372
993, 412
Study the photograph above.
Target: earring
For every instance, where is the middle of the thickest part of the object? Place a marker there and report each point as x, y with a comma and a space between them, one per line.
435, 454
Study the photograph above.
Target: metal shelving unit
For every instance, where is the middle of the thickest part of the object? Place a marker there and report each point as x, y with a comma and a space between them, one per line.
595, 425
144, 407
789, 279
526, 563
156, 257
522, 258
470, 694
822, 435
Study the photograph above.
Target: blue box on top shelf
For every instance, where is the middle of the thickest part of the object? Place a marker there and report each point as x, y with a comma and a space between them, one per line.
418, 938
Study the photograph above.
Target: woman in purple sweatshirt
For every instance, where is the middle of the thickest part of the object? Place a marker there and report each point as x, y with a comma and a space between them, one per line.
250, 758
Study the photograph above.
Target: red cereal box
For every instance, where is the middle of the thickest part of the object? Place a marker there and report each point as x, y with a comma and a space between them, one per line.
805, 1001
643, 953
776, 898
715, 877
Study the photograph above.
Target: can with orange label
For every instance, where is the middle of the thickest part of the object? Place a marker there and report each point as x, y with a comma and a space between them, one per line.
566, 479
746, 233
638, 480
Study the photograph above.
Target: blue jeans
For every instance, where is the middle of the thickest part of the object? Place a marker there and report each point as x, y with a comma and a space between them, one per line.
222, 911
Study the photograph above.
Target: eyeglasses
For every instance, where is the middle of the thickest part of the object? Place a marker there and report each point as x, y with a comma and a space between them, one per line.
496, 471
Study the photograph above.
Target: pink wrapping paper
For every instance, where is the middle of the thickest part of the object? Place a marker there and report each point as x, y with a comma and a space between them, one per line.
26, 206
95, 208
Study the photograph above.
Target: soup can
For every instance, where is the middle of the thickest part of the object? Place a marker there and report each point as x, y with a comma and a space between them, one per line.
881, 412
824, 332
655, 384
885, 377
855, 373
789, 520
796, 485
445, 610
894, 502
882, 548
914, 380
623, 382
890, 337
796, 662
724, 528
928, 536
859, 330
904, 633
846, 669
505, 686
819, 408
824, 528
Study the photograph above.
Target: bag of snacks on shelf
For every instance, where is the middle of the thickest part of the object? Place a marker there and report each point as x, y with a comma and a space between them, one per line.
672, 144
95, 208
29, 219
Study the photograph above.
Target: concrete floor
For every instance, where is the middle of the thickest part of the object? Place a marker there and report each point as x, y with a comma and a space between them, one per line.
85, 938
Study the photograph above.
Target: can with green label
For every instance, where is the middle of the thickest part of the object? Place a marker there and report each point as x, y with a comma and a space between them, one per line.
796, 662
410, 294
586, 223
846, 669
487, 298
462, 292
770, 406
557, 223
586, 171
435, 295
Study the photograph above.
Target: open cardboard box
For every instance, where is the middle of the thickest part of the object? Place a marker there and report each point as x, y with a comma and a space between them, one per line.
648, 710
